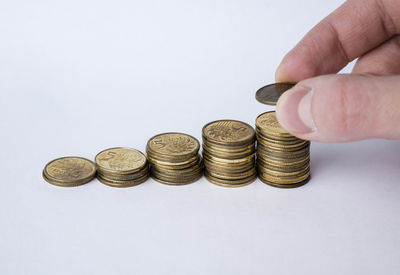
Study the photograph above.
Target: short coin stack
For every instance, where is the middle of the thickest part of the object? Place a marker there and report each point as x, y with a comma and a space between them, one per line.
283, 160
229, 153
122, 167
174, 158
69, 171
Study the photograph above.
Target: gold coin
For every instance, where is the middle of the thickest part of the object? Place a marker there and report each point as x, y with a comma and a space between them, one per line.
283, 151
227, 154
269, 139
120, 161
124, 177
175, 145
230, 183
177, 177
292, 185
229, 148
268, 123
213, 167
284, 179
123, 183
233, 176
177, 181
228, 132
186, 171
237, 167
282, 162
244, 160
283, 146
69, 171
293, 173
265, 135
173, 160
174, 165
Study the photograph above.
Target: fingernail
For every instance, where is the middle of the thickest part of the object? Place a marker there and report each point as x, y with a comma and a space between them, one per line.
294, 110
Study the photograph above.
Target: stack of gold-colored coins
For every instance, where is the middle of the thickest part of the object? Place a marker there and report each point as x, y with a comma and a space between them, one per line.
283, 160
174, 158
122, 167
69, 171
229, 153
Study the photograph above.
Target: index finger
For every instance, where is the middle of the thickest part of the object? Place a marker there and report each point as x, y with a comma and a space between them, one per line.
353, 29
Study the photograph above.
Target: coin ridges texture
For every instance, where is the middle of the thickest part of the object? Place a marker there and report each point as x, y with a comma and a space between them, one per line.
270, 94
69, 171
283, 160
229, 153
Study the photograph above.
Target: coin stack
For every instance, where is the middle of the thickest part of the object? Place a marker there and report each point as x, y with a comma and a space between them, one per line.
229, 153
122, 167
174, 158
69, 171
283, 160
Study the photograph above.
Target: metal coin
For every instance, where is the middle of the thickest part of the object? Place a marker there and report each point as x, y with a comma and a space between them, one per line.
230, 183
122, 183
169, 146
292, 185
69, 171
228, 133
177, 182
233, 176
270, 94
269, 125
124, 177
174, 165
120, 160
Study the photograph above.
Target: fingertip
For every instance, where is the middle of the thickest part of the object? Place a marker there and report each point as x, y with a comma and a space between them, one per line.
297, 65
294, 110
279, 75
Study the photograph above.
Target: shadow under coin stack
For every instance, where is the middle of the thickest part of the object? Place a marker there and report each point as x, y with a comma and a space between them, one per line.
174, 158
121, 167
229, 153
283, 160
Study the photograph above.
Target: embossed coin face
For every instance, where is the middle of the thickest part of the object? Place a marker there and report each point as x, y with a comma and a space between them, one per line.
120, 160
268, 123
228, 132
173, 144
69, 171
270, 94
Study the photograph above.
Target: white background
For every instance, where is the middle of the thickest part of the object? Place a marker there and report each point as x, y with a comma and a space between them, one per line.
77, 77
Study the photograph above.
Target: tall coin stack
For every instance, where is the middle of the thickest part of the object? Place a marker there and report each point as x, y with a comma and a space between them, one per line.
229, 153
174, 158
283, 160
122, 167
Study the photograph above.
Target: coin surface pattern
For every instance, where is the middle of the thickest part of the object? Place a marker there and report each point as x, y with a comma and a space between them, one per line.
70, 170
120, 159
226, 131
269, 123
173, 144
270, 94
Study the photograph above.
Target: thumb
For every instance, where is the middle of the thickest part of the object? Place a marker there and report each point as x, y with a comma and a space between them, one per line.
339, 108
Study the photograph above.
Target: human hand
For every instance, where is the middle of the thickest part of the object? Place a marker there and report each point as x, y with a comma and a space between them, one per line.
338, 108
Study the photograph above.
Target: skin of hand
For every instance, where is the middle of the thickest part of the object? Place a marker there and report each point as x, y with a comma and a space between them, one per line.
329, 107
